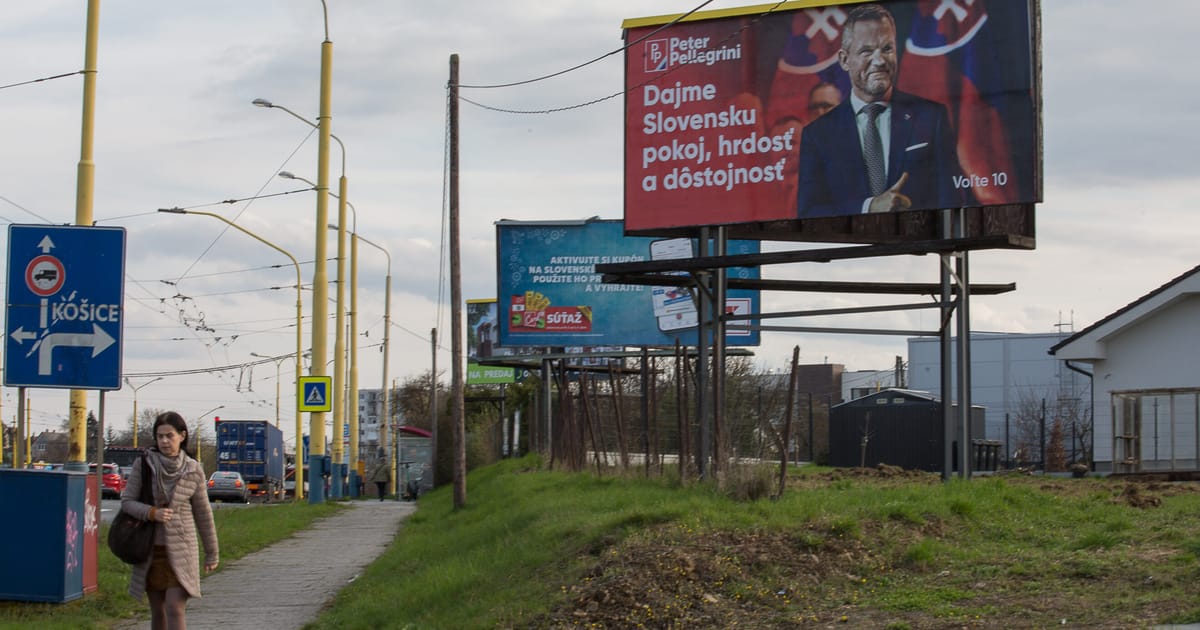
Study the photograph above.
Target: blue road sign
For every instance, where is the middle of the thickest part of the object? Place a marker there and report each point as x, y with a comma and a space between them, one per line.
65, 299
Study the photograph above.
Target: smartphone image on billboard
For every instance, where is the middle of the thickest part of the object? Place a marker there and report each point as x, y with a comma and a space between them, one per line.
673, 306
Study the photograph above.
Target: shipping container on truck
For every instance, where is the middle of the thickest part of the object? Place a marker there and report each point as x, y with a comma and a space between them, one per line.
255, 449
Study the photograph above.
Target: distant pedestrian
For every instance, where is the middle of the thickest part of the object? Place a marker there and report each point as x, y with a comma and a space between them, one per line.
380, 475
180, 512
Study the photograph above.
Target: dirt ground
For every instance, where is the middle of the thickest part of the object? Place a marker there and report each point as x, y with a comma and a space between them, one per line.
671, 577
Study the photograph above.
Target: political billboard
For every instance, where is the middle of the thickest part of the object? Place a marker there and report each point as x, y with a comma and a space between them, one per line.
483, 342
817, 109
551, 295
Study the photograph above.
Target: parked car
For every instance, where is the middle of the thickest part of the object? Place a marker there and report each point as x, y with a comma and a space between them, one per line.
112, 482
226, 485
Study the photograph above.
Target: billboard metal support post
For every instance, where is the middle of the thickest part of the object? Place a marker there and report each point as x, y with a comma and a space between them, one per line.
702, 408
547, 433
946, 382
719, 277
645, 376
962, 264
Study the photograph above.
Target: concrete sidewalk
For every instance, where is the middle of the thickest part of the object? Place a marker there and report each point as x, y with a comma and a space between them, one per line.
285, 585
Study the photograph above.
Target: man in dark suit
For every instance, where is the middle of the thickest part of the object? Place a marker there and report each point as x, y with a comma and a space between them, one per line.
880, 150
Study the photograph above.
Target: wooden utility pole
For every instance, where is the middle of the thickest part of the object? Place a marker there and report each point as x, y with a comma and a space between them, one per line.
458, 405
433, 404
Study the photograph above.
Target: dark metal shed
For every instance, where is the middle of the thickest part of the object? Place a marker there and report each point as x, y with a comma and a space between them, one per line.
899, 427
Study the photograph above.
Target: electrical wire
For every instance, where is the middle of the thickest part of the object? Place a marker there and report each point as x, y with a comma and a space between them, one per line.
24, 209
555, 110
57, 76
233, 271
594, 60
244, 208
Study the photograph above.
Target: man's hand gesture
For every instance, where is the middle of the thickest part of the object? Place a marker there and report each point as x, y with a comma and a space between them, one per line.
891, 199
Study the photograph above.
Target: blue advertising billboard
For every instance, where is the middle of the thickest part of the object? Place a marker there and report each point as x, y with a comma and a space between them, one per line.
550, 294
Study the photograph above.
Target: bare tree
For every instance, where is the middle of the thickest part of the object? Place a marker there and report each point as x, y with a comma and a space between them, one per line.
1051, 430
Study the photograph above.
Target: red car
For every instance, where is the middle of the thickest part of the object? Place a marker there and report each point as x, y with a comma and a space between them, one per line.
111, 482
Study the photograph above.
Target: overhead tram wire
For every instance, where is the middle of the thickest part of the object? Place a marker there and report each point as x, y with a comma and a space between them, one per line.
244, 208
31, 81
207, 370
24, 209
196, 326
205, 205
233, 271
555, 110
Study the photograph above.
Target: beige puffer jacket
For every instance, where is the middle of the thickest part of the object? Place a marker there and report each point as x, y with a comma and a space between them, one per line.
192, 514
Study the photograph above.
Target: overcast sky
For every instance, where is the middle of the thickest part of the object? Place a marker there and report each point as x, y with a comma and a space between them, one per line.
175, 127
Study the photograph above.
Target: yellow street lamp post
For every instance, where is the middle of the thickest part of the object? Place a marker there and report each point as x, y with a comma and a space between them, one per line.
385, 417
352, 336
299, 343
338, 474
135, 411
85, 186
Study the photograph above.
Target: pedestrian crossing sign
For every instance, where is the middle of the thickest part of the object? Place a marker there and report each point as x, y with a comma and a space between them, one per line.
312, 393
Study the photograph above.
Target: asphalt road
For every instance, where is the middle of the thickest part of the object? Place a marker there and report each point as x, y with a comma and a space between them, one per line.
109, 507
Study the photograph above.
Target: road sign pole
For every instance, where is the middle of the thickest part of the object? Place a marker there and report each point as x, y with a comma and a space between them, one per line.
84, 195
19, 442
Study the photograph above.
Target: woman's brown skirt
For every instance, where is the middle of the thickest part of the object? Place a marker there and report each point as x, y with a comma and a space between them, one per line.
161, 577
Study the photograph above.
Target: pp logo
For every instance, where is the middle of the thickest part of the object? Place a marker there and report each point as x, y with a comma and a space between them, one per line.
656, 55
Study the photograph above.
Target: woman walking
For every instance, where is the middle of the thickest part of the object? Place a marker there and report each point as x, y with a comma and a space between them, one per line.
180, 512
380, 475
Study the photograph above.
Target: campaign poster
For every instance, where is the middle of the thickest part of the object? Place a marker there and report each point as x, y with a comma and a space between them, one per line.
483, 342
550, 294
761, 113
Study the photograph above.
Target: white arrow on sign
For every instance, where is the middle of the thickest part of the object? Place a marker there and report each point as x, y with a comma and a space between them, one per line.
46, 244
99, 341
20, 336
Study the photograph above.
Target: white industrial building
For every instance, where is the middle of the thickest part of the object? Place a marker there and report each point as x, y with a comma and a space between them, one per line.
1147, 386
1011, 375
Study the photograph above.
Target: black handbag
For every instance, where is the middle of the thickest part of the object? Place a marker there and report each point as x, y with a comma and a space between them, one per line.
132, 539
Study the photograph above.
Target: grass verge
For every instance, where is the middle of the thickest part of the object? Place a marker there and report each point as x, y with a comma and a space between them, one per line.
546, 549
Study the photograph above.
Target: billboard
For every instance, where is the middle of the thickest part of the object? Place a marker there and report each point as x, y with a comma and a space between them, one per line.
551, 295
812, 110
483, 342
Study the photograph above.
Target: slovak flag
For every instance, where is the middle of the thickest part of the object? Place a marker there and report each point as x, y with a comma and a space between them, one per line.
951, 56
809, 58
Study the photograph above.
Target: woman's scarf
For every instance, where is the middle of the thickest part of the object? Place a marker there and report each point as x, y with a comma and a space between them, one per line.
167, 471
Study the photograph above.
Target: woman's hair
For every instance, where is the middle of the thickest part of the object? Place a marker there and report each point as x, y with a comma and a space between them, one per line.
175, 421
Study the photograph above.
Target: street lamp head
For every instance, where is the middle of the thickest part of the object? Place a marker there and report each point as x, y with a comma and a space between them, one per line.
262, 102
291, 175
173, 210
